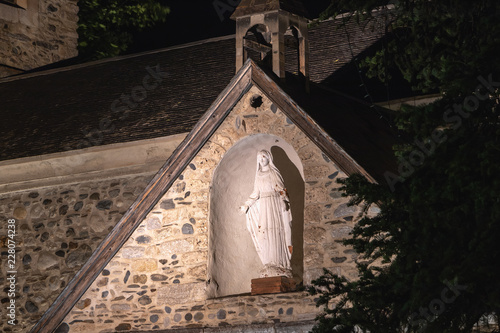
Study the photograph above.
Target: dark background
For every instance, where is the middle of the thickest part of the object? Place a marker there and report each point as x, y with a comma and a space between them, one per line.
191, 21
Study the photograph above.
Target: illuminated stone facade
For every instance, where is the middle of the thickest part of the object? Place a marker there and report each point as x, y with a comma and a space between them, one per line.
160, 279
42, 33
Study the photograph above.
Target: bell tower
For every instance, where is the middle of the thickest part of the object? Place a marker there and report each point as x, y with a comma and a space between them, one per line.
263, 29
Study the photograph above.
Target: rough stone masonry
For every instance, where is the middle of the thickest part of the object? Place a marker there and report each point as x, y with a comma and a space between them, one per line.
158, 280
58, 228
42, 33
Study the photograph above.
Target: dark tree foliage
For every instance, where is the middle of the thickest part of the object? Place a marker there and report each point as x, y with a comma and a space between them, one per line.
429, 261
106, 27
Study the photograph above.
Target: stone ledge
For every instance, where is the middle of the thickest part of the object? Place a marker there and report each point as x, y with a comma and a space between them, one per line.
116, 160
292, 327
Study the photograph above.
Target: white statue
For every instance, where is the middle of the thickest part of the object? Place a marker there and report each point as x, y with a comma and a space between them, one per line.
269, 218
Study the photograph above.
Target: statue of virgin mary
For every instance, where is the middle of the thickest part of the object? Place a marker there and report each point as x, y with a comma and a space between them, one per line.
269, 218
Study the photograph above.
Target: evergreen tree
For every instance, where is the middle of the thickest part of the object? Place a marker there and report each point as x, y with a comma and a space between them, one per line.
428, 262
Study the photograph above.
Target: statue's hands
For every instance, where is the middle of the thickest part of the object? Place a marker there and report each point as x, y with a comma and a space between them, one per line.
243, 209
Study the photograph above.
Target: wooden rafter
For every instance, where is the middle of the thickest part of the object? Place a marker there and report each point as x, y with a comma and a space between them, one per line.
257, 47
16, 3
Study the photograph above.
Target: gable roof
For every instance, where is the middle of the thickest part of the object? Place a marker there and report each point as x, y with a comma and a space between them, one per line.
248, 76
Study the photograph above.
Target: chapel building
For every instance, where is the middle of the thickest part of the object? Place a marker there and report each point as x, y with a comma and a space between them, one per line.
126, 177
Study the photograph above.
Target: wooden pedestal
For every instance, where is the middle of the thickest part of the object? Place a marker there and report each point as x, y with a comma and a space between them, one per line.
272, 285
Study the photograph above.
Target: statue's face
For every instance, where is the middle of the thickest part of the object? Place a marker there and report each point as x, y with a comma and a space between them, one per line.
263, 160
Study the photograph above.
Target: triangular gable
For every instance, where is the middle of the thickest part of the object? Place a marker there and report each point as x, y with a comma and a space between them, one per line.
248, 76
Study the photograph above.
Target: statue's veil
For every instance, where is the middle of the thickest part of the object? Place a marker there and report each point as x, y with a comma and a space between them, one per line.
276, 175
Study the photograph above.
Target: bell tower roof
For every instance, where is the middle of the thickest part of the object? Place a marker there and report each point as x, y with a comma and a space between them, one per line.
251, 7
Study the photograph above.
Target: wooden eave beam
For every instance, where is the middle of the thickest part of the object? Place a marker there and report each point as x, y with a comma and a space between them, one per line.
255, 46
16, 3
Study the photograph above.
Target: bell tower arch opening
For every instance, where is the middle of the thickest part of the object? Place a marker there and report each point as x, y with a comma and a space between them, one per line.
257, 44
271, 31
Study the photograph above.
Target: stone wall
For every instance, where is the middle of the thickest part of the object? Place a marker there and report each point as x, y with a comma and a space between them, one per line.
43, 33
58, 228
159, 279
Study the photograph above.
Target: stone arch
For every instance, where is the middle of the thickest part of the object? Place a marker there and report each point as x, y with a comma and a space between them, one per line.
294, 30
295, 56
233, 261
258, 34
292, 54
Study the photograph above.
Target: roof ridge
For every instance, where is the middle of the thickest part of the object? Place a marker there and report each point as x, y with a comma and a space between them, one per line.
113, 59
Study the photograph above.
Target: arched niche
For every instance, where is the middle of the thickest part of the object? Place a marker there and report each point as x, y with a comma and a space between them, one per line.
233, 260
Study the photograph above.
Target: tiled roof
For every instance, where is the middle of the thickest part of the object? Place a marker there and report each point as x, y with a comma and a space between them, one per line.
80, 106
366, 132
48, 113
336, 52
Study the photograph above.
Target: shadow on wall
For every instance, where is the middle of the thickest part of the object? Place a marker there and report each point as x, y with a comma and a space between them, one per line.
233, 260
294, 183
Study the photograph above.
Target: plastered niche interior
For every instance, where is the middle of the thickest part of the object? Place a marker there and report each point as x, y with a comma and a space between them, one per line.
233, 258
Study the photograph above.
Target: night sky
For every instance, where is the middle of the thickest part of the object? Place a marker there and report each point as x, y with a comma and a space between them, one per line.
191, 21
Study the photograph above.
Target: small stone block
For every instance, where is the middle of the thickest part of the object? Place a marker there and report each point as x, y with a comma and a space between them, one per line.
272, 285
